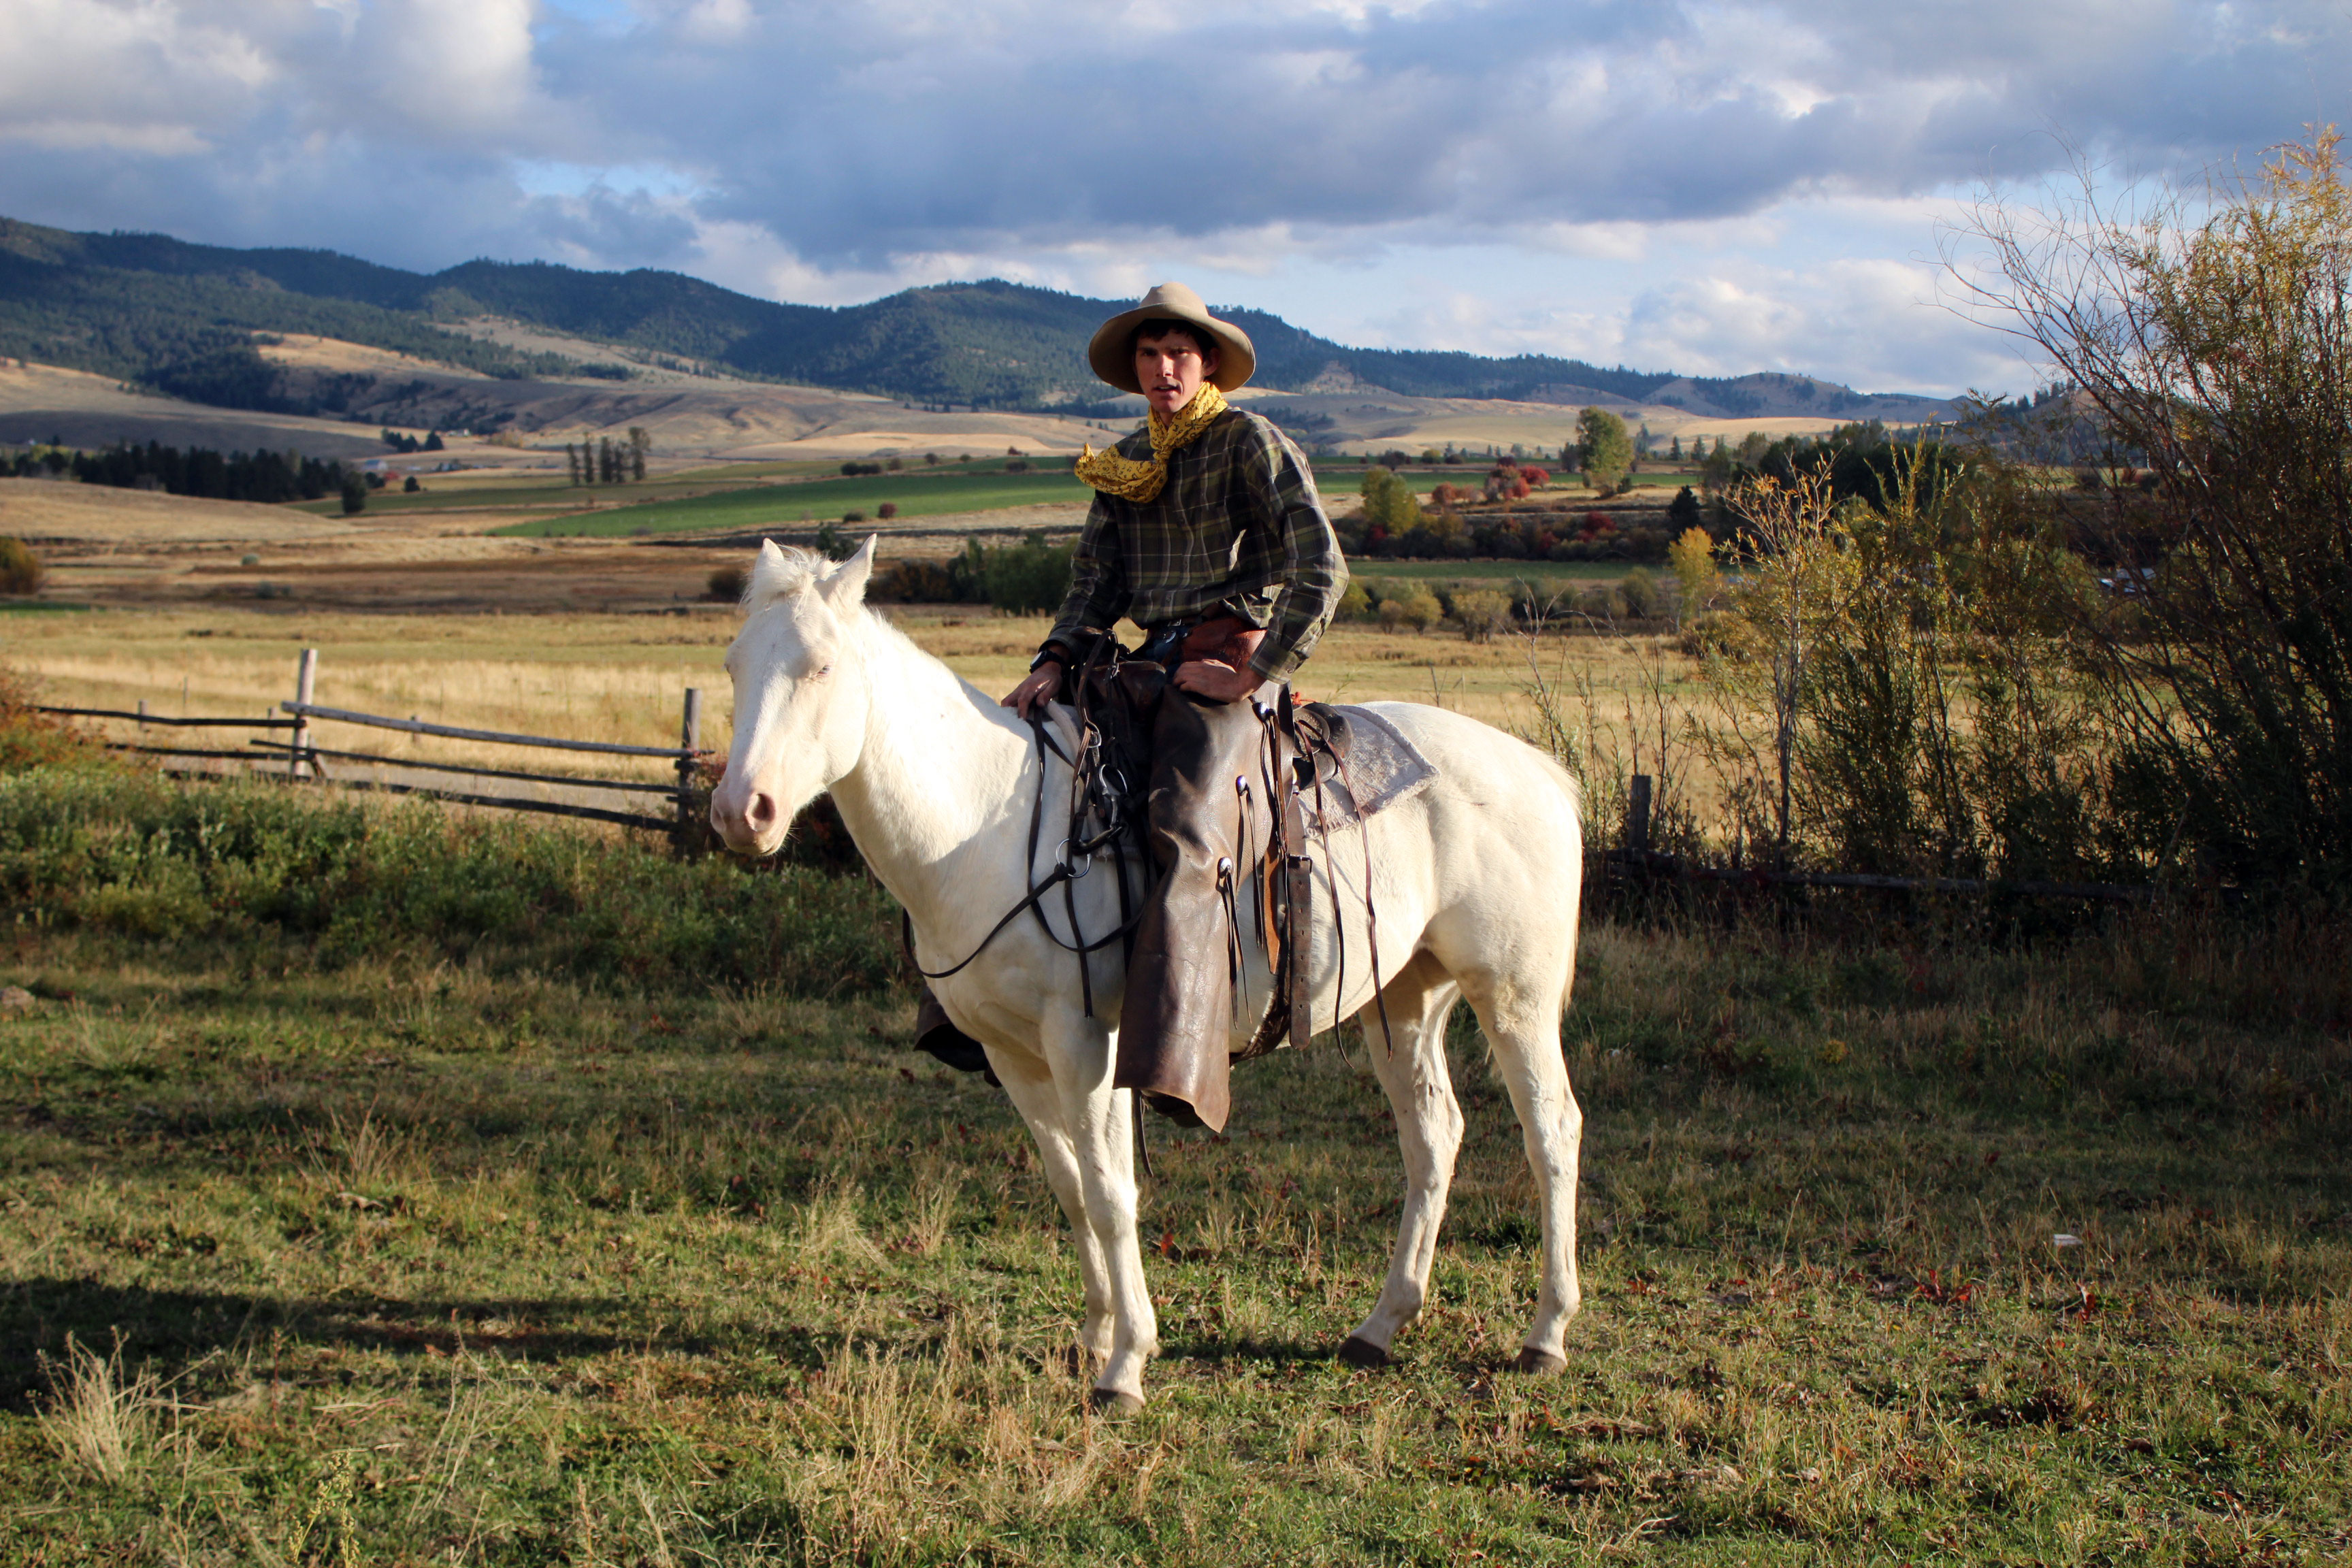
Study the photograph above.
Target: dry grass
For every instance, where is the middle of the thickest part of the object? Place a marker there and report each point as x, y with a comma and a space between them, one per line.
619, 678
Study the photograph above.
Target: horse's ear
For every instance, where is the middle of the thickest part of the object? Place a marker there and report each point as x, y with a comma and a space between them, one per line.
845, 586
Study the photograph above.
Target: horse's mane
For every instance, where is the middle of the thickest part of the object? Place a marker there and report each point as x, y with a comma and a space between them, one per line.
790, 571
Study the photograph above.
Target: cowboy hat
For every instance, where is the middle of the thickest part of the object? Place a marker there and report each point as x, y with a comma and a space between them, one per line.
1112, 352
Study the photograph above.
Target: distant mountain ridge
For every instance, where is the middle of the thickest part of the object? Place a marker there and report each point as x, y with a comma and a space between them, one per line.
181, 316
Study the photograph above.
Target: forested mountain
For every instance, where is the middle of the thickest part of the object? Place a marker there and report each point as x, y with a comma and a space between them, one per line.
181, 317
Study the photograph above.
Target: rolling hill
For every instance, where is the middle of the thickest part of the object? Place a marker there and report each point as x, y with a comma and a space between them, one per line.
183, 318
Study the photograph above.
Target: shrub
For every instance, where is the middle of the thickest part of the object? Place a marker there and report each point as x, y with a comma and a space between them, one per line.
915, 583
1031, 578
1417, 609
1482, 611
1600, 602
21, 571
853, 516
887, 510
34, 740
1640, 592
1355, 603
726, 584
1017, 466
355, 496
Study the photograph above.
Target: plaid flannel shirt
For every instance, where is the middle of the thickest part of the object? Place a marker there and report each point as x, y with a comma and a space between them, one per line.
1238, 527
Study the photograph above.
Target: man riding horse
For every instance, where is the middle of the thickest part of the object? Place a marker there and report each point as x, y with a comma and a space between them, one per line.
1207, 531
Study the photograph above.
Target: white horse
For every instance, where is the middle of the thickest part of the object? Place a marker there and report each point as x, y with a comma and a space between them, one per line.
1474, 881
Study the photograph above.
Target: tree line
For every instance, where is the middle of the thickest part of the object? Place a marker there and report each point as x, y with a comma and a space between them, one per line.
264, 477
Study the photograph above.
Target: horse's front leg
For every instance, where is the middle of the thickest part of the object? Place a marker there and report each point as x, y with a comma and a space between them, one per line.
1030, 1086
1101, 1119
1410, 1061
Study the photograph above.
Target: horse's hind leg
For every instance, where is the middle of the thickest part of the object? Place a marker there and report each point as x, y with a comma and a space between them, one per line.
1412, 1068
1521, 1017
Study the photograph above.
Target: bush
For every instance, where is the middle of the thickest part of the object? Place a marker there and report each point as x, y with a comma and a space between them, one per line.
1355, 603
853, 516
1600, 602
1017, 466
1417, 609
726, 584
34, 740
1482, 611
1640, 592
887, 510
1032, 578
915, 583
355, 496
21, 571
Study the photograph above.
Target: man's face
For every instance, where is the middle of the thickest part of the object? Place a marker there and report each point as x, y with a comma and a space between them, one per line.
1171, 369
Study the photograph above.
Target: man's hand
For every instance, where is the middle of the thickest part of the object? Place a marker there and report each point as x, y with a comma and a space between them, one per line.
1216, 680
1042, 684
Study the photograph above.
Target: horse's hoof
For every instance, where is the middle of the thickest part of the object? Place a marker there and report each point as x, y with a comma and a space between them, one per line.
1113, 1404
1539, 1363
1362, 1352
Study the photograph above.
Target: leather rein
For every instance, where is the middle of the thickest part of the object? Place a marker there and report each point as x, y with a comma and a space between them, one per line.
1100, 792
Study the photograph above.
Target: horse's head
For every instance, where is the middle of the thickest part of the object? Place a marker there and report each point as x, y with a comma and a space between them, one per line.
800, 694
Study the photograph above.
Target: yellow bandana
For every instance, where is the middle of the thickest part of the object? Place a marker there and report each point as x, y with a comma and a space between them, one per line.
1124, 477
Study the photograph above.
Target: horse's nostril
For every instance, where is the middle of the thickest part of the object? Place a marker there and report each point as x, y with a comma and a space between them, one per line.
761, 811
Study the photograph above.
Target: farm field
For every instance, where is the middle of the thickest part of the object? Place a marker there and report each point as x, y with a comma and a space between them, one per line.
916, 495
619, 677
463, 1194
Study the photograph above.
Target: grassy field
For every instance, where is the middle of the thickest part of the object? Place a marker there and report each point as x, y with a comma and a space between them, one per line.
621, 677
357, 1208
916, 493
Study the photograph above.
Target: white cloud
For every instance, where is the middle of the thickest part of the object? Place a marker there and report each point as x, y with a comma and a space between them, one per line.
1560, 173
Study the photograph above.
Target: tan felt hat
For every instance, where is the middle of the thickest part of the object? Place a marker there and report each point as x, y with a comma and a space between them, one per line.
1113, 356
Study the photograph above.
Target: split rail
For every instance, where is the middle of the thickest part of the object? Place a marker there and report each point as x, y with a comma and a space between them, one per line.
301, 758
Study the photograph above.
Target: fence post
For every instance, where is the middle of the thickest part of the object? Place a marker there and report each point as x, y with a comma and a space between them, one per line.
306, 682
1637, 814
688, 737
143, 715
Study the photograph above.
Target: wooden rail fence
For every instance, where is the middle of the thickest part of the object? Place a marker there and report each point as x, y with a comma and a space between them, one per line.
304, 759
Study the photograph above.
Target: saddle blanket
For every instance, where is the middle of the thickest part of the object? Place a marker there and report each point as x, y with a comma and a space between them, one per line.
1378, 767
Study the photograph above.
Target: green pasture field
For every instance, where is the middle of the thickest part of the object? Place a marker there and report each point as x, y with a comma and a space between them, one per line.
916, 493
377, 1187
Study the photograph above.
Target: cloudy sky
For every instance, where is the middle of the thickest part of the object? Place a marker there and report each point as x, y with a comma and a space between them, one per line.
1713, 187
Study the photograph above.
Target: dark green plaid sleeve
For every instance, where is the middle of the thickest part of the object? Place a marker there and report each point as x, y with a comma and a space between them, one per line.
1098, 593
1314, 574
